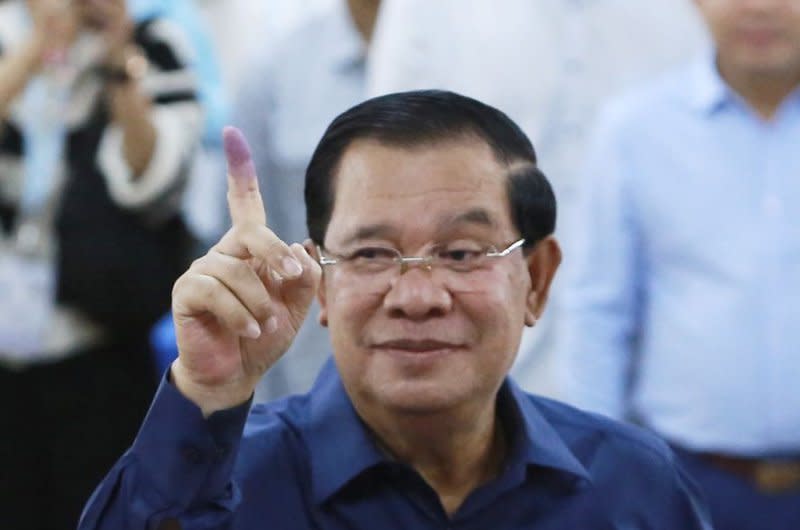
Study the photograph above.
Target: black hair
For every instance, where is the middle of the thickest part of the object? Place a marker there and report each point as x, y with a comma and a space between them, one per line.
421, 117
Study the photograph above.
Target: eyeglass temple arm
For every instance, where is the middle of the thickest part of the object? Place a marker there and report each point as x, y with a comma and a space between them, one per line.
514, 246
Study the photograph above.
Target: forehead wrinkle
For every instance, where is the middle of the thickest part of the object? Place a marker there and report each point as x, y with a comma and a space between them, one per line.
474, 216
412, 192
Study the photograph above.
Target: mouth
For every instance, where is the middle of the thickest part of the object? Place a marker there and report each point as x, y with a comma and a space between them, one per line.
417, 346
760, 36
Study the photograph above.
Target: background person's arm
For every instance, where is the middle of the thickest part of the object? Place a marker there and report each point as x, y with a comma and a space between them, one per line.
602, 281
54, 29
156, 120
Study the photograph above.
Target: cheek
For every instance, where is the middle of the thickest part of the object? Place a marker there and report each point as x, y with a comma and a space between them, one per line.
499, 309
348, 310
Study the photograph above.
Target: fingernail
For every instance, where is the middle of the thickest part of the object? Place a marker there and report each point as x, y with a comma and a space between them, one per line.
291, 267
253, 330
272, 325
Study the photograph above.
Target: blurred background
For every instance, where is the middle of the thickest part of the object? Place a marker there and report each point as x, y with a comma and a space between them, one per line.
112, 180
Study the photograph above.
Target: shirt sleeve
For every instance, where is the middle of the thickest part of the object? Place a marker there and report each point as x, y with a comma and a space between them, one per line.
602, 284
179, 467
176, 116
11, 145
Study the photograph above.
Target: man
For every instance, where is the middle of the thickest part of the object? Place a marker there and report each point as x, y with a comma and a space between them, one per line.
98, 119
433, 227
684, 295
289, 98
549, 64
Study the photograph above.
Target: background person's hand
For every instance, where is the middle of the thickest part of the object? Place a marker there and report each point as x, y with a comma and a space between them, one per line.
55, 26
238, 308
112, 20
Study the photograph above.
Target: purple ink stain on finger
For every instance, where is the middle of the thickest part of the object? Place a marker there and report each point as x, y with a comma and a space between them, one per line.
237, 152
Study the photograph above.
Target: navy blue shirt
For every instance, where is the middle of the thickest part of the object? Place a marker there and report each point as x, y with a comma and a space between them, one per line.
309, 462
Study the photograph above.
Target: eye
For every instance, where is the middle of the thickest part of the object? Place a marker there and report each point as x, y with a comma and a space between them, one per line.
461, 255
372, 259
373, 254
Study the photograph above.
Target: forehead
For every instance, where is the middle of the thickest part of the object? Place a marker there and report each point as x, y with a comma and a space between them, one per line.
417, 188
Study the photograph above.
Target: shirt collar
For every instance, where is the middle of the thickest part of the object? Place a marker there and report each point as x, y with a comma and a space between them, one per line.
351, 51
708, 91
536, 442
341, 447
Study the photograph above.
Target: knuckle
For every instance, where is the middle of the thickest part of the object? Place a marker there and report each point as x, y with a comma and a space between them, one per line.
198, 263
239, 270
178, 286
276, 247
262, 309
206, 288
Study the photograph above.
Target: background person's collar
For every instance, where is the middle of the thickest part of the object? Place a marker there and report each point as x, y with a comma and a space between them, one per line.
352, 49
708, 92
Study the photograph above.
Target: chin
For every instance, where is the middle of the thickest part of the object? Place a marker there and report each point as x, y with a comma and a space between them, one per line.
420, 397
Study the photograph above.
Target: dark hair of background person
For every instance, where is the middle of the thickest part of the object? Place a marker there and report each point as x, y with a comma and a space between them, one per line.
427, 117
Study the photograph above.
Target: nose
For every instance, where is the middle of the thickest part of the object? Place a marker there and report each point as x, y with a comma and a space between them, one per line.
416, 294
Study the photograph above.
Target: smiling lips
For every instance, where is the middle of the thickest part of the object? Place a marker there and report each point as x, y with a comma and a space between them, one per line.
416, 345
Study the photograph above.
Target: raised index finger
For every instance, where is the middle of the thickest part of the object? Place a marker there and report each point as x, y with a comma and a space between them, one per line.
244, 199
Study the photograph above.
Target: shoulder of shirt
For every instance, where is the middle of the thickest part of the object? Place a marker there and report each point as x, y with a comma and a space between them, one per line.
648, 101
579, 426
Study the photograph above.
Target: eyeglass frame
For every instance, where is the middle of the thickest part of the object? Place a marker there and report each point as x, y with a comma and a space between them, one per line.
424, 261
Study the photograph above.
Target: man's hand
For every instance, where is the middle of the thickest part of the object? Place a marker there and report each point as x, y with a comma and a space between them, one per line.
238, 308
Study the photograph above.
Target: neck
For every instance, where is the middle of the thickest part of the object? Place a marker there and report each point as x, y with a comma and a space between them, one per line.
763, 91
364, 14
454, 454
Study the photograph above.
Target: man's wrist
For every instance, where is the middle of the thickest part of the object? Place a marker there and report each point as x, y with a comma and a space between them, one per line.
209, 399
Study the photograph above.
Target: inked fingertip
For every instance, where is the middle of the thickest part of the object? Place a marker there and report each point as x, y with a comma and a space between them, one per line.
236, 149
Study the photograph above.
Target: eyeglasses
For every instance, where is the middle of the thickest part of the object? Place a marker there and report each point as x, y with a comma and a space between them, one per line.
375, 266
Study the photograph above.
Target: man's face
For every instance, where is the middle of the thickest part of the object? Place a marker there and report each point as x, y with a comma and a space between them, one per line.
425, 340
755, 37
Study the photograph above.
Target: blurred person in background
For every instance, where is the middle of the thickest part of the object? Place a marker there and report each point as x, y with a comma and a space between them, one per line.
287, 100
99, 120
684, 297
549, 64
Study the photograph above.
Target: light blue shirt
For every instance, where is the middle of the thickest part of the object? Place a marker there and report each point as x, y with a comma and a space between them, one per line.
683, 289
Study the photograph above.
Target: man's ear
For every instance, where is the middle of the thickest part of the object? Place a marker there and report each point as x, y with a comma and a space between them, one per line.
543, 262
312, 250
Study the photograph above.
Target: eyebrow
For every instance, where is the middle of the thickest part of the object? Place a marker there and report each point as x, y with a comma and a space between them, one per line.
475, 216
